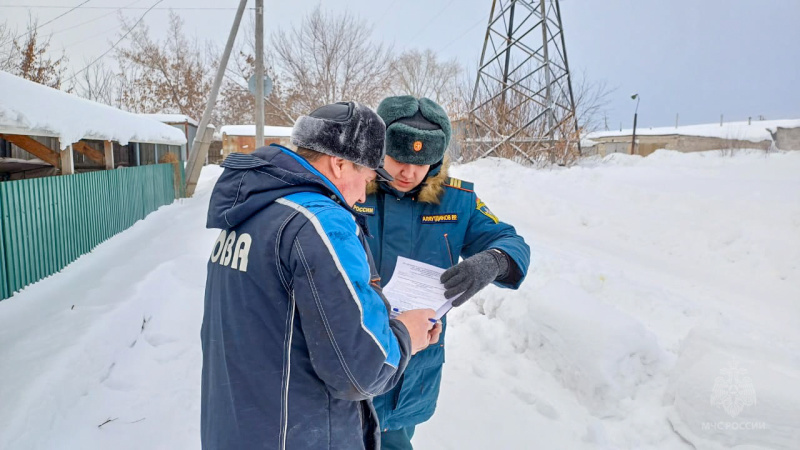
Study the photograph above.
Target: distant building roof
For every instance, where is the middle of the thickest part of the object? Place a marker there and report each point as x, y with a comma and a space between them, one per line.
756, 131
172, 118
33, 109
250, 130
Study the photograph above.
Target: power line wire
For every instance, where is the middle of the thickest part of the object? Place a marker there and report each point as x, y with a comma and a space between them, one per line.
471, 27
92, 20
62, 15
181, 8
115, 44
94, 35
48, 22
435, 16
383, 14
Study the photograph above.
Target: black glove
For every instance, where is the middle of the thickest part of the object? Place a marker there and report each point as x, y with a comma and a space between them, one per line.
473, 274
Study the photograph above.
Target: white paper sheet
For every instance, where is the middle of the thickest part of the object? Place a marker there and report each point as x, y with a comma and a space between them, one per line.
415, 285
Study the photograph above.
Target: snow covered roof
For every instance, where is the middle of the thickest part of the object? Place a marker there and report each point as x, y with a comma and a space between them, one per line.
756, 131
36, 110
250, 130
172, 118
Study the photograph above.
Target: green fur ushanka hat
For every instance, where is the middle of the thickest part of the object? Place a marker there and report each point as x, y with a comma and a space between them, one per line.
417, 131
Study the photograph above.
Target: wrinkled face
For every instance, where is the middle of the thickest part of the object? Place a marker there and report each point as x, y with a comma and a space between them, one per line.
406, 176
353, 182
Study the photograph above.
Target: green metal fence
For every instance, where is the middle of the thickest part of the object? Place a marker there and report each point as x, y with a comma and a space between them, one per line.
46, 223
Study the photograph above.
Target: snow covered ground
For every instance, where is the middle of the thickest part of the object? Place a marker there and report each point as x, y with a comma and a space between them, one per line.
662, 311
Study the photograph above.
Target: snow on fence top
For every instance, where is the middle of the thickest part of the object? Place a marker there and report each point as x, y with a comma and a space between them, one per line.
250, 130
36, 110
756, 131
172, 118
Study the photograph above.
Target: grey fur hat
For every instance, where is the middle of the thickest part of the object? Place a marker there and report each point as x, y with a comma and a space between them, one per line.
348, 130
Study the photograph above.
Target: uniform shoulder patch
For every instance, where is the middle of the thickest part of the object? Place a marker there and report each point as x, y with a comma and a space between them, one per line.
483, 209
459, 184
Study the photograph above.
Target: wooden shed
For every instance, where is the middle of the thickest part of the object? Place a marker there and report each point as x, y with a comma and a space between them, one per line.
242, 138
44, 131
186, 124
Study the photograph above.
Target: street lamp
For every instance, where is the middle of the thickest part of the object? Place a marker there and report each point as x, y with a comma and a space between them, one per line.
635, 115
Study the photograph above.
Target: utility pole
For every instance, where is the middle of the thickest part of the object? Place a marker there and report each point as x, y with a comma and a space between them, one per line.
635, 115
203, 139
259, 73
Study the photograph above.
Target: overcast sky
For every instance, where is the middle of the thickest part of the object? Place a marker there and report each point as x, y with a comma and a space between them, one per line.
696, 58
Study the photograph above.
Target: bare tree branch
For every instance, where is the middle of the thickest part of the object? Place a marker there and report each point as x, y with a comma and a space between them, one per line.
169, 76
97, 83
329, 58
421, 74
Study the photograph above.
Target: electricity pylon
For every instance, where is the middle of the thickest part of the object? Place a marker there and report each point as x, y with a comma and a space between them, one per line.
522, 103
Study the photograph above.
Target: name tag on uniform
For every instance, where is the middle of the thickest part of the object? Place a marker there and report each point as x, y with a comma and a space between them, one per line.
440, 218
368, 210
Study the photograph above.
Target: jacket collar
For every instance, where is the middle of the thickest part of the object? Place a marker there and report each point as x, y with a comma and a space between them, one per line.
429, 191
337, 195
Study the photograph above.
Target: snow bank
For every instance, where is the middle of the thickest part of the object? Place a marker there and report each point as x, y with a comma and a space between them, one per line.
755, 131
114, 335
33, 109
592, 348
736, 386
250, 130
648, 276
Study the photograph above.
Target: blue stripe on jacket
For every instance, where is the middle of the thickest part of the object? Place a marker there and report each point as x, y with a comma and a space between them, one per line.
336, 228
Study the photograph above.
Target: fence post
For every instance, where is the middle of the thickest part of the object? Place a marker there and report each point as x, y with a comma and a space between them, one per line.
4, 288
177, 182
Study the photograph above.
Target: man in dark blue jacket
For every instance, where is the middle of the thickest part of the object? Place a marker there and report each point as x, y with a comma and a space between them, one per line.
296, 333
427, 216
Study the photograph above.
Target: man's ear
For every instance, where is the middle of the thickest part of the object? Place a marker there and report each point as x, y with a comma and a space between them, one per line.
337, 166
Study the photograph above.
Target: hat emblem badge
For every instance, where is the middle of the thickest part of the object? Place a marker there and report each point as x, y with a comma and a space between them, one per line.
417, 146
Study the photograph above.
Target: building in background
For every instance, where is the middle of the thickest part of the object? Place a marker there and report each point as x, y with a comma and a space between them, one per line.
755, 134
242, 138
44, 131
186, 124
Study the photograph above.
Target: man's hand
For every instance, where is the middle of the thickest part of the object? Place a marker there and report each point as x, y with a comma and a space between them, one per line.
473, 274
434, 333
418, 324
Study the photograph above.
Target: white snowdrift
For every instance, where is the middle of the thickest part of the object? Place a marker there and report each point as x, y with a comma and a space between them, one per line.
592, 348
756, 375
649, 276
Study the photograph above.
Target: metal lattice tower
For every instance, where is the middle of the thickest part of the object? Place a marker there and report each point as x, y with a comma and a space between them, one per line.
522, 104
